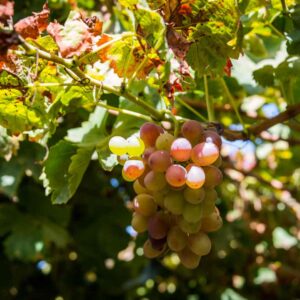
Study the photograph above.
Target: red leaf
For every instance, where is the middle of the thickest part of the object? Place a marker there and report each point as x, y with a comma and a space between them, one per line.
6, 10
227, 68
94, 24
185, 9
32, 26
74, 38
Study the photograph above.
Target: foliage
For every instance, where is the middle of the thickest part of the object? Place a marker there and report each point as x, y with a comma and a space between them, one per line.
75, 73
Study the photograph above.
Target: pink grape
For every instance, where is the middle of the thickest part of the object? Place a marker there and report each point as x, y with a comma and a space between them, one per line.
149, 132
181, 149
195, 176
159, 161
155, 181
157, 227
193, 131
176, 175
213, 137
213, 176
205, 154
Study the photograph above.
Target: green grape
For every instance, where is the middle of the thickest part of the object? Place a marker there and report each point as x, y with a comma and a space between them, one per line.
149, 132
118, 145
160, 196
189, 259
138, 188
209, 202
147, 153
174, 202
194, 196
192, 213
176, 175
193, 131
218, 162
159, 161
139, 223
199, 243
164, 141
150, 252
189, 227
211, 223
155, 181
213, 176
135, 146
205, 154
158, 226
181, 149
144, 205
176, 239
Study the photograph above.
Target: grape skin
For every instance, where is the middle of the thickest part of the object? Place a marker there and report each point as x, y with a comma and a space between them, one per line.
118, 145
176, 239
159, 161
144, 204
193, 131
194, 196
133, 169
176, 175
213, 176
174, 202
205, 154
199, 243
181, 149
155, 181
135, 146
149, 132
189, 227
192, 213
138, 188
189, 259
150, 252
157, 227
139, 223
213, 137
195, 176
164, 141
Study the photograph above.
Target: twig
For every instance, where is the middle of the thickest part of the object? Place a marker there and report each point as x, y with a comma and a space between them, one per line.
209, 103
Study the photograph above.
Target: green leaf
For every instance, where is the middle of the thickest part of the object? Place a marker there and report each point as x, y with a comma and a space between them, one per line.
9, 80
106, 159
47, 43
264, 76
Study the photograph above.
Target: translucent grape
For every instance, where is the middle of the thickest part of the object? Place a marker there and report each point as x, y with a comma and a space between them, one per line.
213, 222
193, 196
176, 239
181, 149
209, 202
193, 131
160, 195
149, 132
157, 227
213, 137
155, 181
205, 154
213, 176
176, 175
159, 161
189, 259
174, 202
138, 188
164, 141
195, 176
144, 204
118, 145
199, 243
135, 146
189, 227
139, 223
133, 169
192, 213
150, 252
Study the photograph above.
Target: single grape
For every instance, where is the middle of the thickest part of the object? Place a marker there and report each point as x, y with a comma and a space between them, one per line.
176, 175
135, 146
164, 141
193, 131
155, 181
188, 227
176, 239
149, 132
213, 222
160, 195
118, 145
195, 176
213, 137
193, 196
189, 259
139, 223
159, 161
147, 153
150, 252
199, 243
138, 188
158, 244
133, 169
218, 162
181, 149
192, 213
209, 202
144, 204
174, 202
122, 159
213, 176
205, 154
158, 226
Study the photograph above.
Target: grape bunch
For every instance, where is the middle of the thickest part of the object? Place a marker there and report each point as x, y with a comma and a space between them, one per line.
174, 179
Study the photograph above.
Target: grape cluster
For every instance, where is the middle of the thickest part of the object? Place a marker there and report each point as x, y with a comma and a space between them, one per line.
174, 179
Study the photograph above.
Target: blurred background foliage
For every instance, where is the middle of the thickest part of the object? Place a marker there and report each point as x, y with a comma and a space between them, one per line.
87, 250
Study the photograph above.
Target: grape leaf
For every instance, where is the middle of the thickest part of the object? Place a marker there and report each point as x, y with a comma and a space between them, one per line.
264, 76
6, 10
74, 38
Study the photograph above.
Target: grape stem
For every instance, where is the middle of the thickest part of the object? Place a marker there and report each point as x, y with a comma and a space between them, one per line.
209, 102
175, 121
